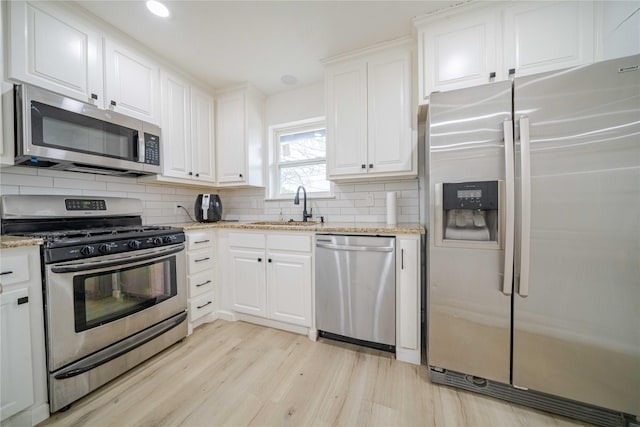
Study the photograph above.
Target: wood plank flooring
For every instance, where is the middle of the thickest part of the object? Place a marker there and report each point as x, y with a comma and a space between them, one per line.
239, 374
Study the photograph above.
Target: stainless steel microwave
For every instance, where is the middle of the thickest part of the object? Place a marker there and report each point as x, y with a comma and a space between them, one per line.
62, 133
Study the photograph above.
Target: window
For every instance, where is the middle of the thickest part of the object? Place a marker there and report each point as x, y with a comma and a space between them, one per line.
299, 158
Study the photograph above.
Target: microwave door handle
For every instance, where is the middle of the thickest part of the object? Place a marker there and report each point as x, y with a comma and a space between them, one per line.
127, 259
525, 216
509, 232
141, 147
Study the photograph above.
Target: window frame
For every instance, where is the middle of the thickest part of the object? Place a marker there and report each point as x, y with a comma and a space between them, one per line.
275, 164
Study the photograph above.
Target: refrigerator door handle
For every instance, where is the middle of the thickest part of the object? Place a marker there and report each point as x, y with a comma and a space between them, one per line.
525, 182
509, 224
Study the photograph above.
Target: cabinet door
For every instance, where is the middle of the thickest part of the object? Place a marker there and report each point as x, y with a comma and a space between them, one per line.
408, 294
231, 138
346, 92
458, 52
545, 36
202, 117
131, 83
53, 50
289, 288
176, 129
16, 387
618, 29
389, 112
248, 281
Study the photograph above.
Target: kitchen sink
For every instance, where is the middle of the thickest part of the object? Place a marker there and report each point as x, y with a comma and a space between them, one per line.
290, 222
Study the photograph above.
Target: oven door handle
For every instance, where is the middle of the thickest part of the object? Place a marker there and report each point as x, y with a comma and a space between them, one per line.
86, 266
119, 349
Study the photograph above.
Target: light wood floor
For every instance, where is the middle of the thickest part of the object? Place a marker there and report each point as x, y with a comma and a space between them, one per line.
239, 374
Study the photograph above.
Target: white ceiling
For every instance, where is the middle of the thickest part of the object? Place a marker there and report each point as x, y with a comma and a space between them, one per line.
230, 42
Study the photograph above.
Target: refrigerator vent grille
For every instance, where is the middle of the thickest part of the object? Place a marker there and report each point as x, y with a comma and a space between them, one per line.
567, 408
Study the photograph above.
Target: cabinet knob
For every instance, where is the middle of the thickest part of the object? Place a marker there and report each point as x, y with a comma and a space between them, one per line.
190, 173
240, 175
23, 300
269, 260
363, 166
492, 75
512, 71
370, 165
197, 174
113, 103
259, 259
94, 96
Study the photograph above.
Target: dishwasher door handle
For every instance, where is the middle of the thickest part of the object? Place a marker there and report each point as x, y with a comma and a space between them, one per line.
355, 248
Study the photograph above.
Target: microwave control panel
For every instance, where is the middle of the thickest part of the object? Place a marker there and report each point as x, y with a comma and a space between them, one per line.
151, 149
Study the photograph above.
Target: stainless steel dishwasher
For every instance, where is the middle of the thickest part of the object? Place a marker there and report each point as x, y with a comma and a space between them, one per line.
356, 289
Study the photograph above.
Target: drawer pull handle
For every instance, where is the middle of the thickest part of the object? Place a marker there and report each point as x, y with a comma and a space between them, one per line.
6, 272
203, 259
204, 305
202, 284
202, 241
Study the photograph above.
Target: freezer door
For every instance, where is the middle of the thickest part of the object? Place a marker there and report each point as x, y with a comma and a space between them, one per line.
576, 316
469, 312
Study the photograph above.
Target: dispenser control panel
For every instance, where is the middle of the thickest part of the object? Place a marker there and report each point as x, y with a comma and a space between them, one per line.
470, 195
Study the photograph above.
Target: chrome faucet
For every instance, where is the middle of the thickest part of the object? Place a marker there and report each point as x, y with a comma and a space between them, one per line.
296, 201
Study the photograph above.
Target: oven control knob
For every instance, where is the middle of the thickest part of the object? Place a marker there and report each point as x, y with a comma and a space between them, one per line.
157, 240
87, 250
135, 244
104, 248
169, 239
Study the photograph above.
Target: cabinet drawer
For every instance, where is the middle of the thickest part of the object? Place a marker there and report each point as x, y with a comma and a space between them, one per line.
14, 269
200, 283
199, 261
295, 243
247, 240
199, 240
201, 306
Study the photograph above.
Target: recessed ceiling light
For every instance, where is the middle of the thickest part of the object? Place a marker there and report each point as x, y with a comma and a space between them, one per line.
288, 79
157, 8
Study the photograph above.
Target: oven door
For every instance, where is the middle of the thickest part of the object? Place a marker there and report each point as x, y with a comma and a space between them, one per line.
94, 303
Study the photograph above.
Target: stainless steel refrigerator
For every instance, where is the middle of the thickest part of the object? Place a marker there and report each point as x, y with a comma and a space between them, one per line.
534, 246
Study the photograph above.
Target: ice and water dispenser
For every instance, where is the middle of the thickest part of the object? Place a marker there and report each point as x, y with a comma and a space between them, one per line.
469, 212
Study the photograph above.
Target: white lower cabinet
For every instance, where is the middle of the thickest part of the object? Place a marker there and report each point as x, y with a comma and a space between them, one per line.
408, 316
271, 276
23, 380
201, 276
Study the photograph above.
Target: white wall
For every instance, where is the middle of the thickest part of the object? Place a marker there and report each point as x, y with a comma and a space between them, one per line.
158, 201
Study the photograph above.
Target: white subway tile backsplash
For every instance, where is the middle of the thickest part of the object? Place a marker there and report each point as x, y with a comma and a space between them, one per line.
81, 184
9, 189
49, 190
118, 186
26, 180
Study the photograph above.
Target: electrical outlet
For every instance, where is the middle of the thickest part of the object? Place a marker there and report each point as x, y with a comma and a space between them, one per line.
177, 210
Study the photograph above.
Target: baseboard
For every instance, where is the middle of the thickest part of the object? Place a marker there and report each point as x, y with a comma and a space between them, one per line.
273, 324
39, 413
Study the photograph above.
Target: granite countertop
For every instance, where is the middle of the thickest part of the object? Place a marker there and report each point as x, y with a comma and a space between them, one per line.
412, 228
17, 241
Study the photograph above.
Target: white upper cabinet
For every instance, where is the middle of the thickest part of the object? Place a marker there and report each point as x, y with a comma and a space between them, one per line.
55, 50
187, 131
618, 28
239, 147
368, 107
131, 83
479, 43
545, 36
458, 52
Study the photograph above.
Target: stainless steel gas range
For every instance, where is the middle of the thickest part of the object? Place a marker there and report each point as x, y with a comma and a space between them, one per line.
114, 290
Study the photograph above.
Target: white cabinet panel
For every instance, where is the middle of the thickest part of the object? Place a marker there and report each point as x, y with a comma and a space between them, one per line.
230, 128
347, 118
201, 306
289, 280
369, 115
248, 281
131, 82
409, 295
176, 129
458, 52
52, 49
201, 276
16, 387
202, 133
618, 29
389, 112
545, 36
